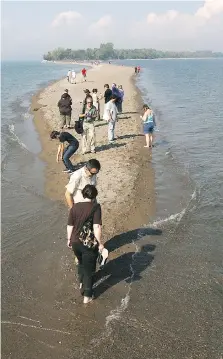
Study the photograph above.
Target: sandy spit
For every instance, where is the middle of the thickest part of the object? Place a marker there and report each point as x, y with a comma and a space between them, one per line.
126, 180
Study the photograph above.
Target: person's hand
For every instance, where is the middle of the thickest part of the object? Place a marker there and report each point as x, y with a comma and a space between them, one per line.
100, 247
57, 159
141, 117
69, 244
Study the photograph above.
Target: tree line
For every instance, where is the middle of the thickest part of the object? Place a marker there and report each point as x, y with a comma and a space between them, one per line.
107, 52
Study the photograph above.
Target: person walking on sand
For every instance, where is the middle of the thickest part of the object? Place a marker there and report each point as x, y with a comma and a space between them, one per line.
65, 109
96, 102
148, 125
107, 97
87, 94
68, 75
73, 77
84, 232
64, 154
79, 179
120, 102
84, 74
88, 136
136, 70
111, 117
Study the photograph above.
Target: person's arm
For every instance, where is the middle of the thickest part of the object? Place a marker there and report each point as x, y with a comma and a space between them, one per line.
69, 199
146, 114
70, 226
60, 152
69, 232
71, 188
98, 235
97, 227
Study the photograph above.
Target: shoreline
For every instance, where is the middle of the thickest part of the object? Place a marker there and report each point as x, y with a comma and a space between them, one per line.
130, 188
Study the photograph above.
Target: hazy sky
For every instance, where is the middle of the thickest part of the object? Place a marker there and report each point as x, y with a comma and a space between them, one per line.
31, 28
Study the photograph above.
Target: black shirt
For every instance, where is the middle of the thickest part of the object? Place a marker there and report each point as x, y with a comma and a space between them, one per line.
107, 95
67, 137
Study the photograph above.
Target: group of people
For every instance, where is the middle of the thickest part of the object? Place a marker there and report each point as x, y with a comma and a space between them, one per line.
71, 76
113, 99
84, 226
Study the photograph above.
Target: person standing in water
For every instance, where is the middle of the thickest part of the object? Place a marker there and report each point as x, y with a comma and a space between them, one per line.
148, 125
64, 154
84, 232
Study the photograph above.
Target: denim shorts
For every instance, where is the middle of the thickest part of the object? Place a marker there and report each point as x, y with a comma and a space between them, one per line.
148, 128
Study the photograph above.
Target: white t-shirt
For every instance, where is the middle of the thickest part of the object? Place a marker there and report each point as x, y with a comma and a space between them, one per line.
69, 72
111, 111
73, 74
78, 180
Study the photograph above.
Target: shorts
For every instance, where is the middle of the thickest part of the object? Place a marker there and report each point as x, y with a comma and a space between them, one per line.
148, 128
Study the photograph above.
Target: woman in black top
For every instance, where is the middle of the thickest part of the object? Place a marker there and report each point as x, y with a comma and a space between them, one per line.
65, 110
65, 153
87, 213
108, 93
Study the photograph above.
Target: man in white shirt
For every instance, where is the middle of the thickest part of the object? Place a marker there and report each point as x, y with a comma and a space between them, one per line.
111, 117
79, 179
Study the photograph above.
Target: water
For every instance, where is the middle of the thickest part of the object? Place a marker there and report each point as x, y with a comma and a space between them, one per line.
167, 297
22, 170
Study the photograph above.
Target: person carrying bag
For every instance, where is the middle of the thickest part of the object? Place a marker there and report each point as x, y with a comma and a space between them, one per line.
84, 237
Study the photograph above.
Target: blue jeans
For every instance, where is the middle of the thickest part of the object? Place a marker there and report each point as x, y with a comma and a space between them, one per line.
111, 131
68, 152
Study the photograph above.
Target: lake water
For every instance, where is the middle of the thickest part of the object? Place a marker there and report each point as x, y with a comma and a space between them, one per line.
173, 311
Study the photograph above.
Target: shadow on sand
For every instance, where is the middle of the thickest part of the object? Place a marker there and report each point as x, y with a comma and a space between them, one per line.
127, 267
109, 146
130, 236
129, 136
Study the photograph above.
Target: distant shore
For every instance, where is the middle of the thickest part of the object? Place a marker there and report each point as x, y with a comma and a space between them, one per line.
121, 181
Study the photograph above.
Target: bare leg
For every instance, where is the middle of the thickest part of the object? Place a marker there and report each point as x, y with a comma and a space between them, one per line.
151, 140
147, 140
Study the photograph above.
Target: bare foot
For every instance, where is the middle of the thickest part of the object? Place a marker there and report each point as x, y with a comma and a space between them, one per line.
146, 146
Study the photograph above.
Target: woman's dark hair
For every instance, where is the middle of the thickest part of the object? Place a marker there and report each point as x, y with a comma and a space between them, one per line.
88, 96
106, 85
95, 90
89, 192
54, 134
146, 106
93, 163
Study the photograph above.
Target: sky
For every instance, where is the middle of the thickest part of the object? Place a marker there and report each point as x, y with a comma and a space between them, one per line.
31, 28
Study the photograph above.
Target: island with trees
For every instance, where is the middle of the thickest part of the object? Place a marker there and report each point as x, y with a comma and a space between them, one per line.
108, 52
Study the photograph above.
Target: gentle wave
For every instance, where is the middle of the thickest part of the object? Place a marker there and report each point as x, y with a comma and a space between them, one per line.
177, 217
15, 137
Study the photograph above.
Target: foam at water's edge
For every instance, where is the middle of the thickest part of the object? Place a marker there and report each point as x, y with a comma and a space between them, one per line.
115, 314
15, 137
177, 217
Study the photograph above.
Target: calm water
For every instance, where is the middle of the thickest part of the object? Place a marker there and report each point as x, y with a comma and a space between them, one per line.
22, 171
168, 306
